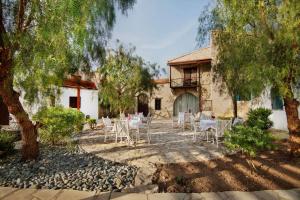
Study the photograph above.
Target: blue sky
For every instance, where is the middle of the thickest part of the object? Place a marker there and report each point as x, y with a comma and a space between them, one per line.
160, 29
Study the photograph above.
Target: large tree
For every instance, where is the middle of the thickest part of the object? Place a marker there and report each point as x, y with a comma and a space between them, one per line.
266, 35
125, 75
38, 43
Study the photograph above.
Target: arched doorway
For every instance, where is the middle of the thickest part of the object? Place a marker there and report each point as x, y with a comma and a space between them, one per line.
143, 104
186, 103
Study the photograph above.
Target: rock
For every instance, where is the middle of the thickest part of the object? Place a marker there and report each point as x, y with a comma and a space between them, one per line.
118, 182
19, 181
175, 188
59, 169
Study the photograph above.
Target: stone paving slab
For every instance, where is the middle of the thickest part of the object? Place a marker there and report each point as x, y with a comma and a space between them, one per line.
169, 196
24, 194
76, 195
7, 193
46, 194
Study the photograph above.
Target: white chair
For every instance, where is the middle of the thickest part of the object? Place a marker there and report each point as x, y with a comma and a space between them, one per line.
149, 120
122, 131
135, 124
237, 121
109, 128
221, 127
181, 120
196, 128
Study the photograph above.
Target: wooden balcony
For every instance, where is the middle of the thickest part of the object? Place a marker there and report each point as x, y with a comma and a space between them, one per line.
184, 83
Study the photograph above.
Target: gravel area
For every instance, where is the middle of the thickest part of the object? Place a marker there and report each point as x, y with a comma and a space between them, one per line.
58, 168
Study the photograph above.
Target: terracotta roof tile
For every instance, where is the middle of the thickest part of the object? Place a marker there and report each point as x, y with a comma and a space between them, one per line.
75, 82
201, 54
161, 81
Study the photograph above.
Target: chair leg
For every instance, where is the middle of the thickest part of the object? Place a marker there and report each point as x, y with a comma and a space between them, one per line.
105, 135
217, 139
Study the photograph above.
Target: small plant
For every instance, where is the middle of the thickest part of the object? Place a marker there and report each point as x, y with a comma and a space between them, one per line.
180, 180
58, 124
92, 123
248, 139
7, 140
259, 118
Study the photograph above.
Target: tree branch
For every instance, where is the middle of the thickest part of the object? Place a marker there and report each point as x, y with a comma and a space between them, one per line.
21, 14
2, 28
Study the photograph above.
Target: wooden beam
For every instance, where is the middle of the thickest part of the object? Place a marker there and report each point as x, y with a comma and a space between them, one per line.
78, 98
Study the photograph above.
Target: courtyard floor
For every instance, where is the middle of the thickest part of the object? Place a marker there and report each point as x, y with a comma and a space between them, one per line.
168, 145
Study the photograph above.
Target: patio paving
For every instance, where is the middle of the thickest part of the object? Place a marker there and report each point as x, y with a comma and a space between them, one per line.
168, 145
7, 193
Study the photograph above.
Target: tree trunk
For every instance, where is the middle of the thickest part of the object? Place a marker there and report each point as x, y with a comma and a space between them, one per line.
30, 149
234, 102
293, 121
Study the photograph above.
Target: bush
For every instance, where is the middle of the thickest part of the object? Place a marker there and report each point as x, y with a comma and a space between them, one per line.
58, 124
92, 122
7, 140
248, 139
259, 118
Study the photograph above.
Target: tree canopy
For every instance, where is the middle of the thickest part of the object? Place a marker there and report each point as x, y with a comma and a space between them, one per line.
48, 39
261, 39
41, 42
124, 75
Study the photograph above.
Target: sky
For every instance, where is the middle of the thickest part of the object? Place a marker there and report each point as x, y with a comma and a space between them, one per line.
160, 29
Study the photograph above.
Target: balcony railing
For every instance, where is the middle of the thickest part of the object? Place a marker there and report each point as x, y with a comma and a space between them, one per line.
184, 83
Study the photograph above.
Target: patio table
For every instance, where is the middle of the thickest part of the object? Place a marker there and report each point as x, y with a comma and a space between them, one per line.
207, 124
135, 123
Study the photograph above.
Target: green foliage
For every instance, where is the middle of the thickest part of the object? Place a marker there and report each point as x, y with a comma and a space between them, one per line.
123, 76
259, 118
92, 123
58, 124
258, 44
248, 139
7, 140
49, 39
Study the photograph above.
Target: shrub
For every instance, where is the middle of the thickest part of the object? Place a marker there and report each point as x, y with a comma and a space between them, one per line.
248, 139
58, 124
7, 140
92, 122
259, 118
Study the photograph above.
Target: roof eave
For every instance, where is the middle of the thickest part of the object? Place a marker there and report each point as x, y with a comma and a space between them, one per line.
190, 62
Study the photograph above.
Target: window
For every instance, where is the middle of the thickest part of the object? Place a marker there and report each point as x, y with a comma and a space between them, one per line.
276, 100
73, 102
190, 76
157, 104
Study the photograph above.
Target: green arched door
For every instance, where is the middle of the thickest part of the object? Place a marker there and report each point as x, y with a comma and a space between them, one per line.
186, 103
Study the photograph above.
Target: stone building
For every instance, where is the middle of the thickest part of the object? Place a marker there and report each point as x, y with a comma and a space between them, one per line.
190, 88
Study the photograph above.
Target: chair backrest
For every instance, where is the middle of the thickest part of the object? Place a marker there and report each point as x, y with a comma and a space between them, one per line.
123, 127
204, 117
193, 123
149, 114
106, 121
198, 115
237, 121
181, 117
222, 126
149, 120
